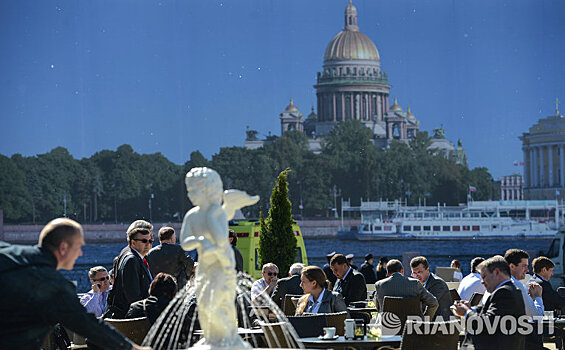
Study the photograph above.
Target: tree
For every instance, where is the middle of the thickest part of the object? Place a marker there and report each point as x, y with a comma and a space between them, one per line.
277, 243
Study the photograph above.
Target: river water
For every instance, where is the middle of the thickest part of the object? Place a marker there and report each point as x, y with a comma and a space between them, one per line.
439, 253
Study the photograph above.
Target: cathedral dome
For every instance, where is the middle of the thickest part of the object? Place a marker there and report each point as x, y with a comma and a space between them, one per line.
291, 107
350, 43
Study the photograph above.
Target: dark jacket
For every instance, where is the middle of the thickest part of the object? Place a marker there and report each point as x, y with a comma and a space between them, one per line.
287, 285
238, 259
34, 297
368, 272
329, 274
353, 287
150, 307
506, 300
551, 299
398, 285
131, 283
171, 259
381, 274
331, 302
440, 290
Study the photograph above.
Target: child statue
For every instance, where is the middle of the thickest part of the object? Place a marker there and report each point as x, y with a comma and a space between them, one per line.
205, 228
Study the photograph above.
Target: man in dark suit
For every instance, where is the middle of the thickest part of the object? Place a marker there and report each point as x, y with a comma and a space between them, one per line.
434, 284
368, 270
132, 276
170, 258
505, 300
543, 270
350, 283
398, 285
328, 270
288, 285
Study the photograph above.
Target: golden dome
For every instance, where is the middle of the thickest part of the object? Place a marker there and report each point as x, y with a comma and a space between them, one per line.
291, 107
395, 106
350, 43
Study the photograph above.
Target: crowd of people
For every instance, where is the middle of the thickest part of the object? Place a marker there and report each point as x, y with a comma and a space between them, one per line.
144, 279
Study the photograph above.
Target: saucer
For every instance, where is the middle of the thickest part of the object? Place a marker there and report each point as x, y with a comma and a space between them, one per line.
328, 338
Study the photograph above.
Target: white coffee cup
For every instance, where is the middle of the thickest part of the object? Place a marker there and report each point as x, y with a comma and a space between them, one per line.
329, 332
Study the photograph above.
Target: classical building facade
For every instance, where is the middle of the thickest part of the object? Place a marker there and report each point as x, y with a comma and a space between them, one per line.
352, 86
544, 158
512, 188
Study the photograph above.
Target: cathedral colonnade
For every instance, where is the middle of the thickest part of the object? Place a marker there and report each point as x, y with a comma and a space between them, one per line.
363, 106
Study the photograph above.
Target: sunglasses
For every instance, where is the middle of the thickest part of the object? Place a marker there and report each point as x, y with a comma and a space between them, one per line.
144, 240
271, 273
103, 279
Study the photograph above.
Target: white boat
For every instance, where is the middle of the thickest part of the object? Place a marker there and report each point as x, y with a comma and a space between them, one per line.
475, 220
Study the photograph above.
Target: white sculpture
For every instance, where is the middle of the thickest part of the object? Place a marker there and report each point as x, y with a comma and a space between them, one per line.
205, 228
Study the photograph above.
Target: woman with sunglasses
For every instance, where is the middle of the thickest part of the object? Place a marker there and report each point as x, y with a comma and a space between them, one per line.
96, 300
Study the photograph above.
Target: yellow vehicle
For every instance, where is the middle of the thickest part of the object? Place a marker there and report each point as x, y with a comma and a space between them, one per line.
248, 232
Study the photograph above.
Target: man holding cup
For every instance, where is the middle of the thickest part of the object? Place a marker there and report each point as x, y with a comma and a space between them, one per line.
264, 287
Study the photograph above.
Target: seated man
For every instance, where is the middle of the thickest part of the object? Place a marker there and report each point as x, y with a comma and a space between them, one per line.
96, 299
472, 282
350, 282
543, 270
505, 300
169, 257
434, 284
288, 285
263, 288
162, 290
397, 285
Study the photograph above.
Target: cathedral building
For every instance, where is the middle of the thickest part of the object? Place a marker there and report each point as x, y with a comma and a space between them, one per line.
352, 86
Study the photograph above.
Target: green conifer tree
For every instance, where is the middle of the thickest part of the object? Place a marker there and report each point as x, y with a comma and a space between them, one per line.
277, 243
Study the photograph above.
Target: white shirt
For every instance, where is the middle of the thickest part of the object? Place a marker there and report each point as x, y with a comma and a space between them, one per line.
457, 275
316, 304
469, 285
533, 308
258, 287
95, 303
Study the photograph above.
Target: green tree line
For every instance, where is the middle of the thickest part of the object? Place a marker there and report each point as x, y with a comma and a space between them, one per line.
117, 186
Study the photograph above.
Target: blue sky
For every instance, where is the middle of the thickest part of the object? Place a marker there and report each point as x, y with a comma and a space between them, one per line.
179, 76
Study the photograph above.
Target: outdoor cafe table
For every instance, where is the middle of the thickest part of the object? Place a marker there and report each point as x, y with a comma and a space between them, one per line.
342, 343
362, 309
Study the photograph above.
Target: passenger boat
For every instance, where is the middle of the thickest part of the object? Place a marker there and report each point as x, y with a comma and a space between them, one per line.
474, 220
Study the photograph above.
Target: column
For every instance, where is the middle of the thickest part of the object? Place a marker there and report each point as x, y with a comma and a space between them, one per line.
527, 166
541, 168
334, 107
352, 96
535, 177
550, 165
342, 105
562, 165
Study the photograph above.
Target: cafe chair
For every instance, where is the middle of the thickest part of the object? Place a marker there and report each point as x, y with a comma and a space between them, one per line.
411, 340
454, 295
445, 273
134, 329
309, 325
402, 308
476, 299
289, 304
337, 320
278, 335
361, 315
